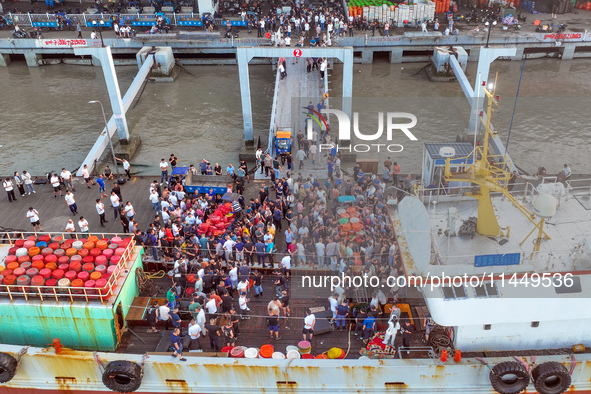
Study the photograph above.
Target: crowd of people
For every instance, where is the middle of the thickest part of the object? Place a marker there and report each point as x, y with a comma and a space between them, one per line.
293, 220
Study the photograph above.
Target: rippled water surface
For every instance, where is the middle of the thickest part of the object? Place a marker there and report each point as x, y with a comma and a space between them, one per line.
47, 123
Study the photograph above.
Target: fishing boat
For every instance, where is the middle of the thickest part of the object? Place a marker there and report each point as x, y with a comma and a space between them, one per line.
505, 275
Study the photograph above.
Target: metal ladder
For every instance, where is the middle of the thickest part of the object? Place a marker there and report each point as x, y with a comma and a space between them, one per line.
360, 295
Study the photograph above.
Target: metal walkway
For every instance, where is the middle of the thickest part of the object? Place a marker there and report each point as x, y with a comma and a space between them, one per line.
292, 95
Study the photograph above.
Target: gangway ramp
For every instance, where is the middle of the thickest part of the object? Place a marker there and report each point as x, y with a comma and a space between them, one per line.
292, 95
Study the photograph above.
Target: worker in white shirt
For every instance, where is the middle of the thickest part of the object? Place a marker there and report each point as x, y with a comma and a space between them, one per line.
129, 211
7, 184
71, 202
195, 335
86, 176
70, 228
55, 182
28, 182
116, 204
67, 179
164, 171
100, 208
126, 167
33, 216
83, 224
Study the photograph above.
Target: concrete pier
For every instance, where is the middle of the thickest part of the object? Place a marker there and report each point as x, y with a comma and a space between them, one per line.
400, 48
33, 59
102, 141
4, 60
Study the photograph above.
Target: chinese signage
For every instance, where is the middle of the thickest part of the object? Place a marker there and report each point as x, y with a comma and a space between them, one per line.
65, 43
562, 36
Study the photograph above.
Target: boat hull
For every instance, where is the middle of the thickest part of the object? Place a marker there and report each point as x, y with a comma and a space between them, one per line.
43, 371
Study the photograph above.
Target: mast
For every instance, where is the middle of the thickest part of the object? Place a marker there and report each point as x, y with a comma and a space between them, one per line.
488, 171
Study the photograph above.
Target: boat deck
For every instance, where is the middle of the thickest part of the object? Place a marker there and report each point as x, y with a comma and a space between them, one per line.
569, 231
254, 332
54, 215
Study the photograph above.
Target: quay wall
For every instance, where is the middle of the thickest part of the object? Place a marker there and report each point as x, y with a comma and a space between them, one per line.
398, 49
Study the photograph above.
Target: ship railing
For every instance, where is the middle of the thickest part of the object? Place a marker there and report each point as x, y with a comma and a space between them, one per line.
579, 186
496, 168
11, 236
45, 293
538, 260
573, 186
430, 194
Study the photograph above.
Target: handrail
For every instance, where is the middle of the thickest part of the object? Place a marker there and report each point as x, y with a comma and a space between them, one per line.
272, 127
26, 19
73, 293
587, 186
9, 235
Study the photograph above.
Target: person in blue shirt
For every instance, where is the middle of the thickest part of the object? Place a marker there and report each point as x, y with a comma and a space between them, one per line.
208, 169
260, 248
269, 253
342, 312
360, 177
369, 325
101, 182
203, 166
177, 345
230, 170
239, 248
320, 106
203, 245
330, 167
277, 218
176, 320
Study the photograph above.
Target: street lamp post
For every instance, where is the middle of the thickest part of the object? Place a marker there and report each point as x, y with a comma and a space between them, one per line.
108, 135
100, 30
489, 26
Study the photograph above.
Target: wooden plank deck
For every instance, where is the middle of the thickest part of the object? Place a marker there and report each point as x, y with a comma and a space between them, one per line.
138, 308
254, 331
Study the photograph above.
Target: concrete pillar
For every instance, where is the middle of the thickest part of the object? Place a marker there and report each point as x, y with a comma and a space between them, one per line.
474, 54
106, 60
4, 59
396, 55
242, 60
367, 56
568, 52
347, 80
519, 53
95, 61
33, 59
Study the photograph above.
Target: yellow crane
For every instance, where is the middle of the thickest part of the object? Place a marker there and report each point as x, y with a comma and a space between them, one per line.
488, 171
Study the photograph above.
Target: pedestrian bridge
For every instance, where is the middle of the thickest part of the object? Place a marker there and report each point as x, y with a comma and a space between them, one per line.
293, 93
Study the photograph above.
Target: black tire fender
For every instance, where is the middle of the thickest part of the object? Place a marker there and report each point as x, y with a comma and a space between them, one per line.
551, 378
122, 376
8, 366
509, 377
